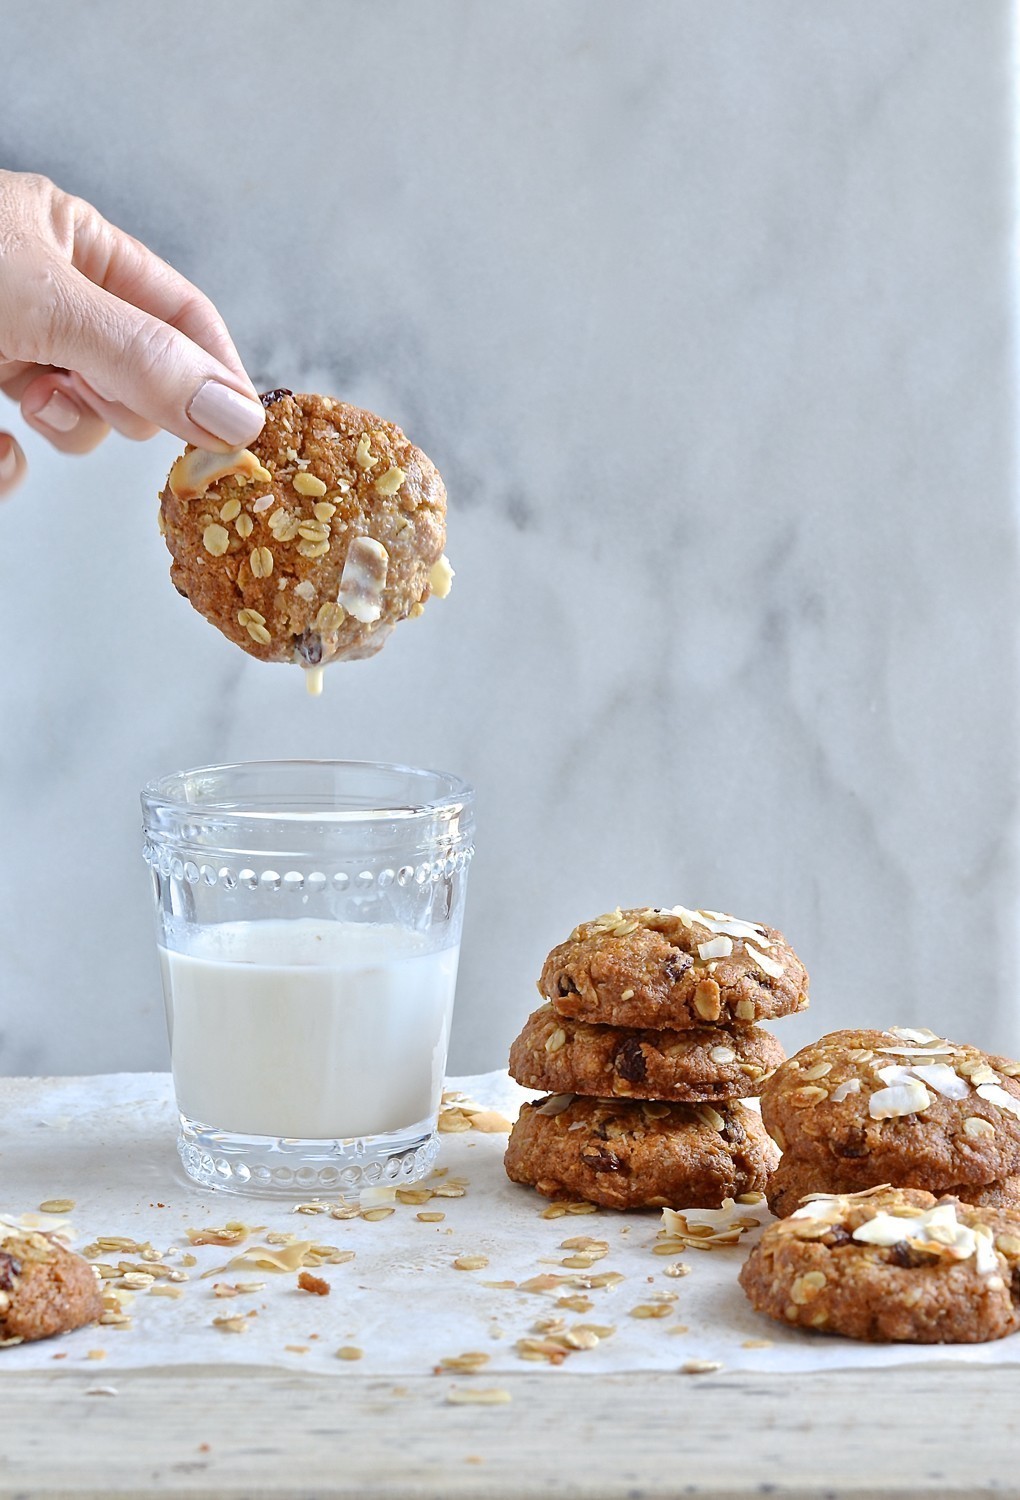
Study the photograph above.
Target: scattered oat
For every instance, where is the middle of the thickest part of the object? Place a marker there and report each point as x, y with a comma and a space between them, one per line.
471, 1262
469, 1395
700, 1366
57, 1206
463, 1364
235, 1324
308, 484
350, 1351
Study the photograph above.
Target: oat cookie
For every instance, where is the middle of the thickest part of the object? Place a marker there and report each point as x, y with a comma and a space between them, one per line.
700, 1064
794, 1180
44, 1288
674, 969
313, 543
630, 1154
892, 1264
880, 1105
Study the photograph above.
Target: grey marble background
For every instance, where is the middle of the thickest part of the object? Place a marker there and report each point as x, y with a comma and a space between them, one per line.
705, 309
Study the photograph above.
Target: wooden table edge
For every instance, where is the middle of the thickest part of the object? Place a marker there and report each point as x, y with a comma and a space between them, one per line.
238, 1431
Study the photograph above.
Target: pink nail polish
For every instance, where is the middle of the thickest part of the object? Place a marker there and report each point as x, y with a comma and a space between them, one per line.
228, 415
59, 413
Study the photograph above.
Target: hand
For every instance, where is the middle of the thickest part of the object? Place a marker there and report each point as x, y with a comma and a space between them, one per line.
97, 332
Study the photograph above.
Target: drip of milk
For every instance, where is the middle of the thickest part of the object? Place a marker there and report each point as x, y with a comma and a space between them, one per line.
307, 1029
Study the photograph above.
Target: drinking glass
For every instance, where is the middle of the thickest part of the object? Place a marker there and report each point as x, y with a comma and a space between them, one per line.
308, 918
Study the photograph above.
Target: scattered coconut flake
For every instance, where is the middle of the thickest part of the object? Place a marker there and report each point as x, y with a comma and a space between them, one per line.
363, 579
555, 1104
718, 947
374, 1197
943, 1079
767, 965
995, 1094
907, 1098
195, 471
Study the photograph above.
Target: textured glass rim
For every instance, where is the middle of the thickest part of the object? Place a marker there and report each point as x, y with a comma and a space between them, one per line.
158, 794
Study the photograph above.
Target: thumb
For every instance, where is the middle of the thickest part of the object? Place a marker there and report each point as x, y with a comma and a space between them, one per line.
149, 366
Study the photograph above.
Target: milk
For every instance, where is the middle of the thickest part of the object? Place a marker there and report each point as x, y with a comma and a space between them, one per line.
307, 1029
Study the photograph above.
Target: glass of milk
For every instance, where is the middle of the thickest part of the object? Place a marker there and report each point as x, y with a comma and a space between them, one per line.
308, 921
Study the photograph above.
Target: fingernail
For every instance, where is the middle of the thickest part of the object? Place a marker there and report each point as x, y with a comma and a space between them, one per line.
228, 415
8, 463
59, 413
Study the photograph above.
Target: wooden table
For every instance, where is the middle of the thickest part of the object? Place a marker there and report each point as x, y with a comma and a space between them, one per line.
910, 1432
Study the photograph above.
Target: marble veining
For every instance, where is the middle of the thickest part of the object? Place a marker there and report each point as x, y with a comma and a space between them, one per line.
708, 320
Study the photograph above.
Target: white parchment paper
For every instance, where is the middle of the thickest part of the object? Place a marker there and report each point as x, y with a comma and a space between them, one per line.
108, 1143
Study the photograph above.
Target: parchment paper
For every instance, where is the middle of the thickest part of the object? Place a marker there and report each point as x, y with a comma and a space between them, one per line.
108, 1144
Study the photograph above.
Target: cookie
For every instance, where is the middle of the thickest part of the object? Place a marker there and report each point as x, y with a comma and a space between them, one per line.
630, 1154
794, 1179
312, 544
670, 970
560, 1055
894, 1264
44, 1288
887, 1106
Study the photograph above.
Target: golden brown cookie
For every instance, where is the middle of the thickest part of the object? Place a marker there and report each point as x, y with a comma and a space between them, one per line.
882, 1106
630, 1154
794, 1180
701, 1064
313, 543
44, 1288
669, 970
894, 1264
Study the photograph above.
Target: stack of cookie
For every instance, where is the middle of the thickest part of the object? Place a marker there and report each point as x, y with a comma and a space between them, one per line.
647, 1043
857, 1109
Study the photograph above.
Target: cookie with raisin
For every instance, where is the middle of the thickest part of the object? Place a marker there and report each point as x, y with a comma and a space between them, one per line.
561, 1055
670, 970
44, 1288
639, 1154
310, 546
900, 1105
890, 1265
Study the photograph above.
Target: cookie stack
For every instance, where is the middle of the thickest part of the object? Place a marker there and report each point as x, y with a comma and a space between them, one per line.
647, 1042
903, 1106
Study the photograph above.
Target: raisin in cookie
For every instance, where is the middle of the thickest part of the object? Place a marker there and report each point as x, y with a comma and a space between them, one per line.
626, 1154
313, 543
894, 1264
674, 969
897, 1105
559, 1055
795, 1179
44, 1288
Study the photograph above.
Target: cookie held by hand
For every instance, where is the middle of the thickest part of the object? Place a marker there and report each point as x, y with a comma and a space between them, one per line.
310, 546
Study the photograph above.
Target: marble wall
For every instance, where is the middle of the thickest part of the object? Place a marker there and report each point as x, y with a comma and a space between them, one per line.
706, 312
